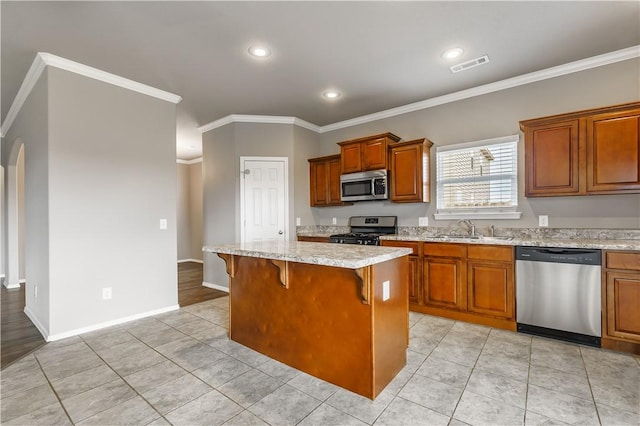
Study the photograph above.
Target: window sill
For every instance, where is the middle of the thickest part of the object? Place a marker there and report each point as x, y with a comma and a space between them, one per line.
477, 215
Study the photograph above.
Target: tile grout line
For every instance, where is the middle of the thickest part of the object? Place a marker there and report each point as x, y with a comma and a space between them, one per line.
593, 397
121, 378
53, 390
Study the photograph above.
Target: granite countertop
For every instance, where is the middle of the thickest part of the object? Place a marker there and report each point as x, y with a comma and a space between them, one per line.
339, 255
536, 241
531, 242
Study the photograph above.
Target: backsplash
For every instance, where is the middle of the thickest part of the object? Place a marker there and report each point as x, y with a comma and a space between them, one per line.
534, 233
321, 229
517, 233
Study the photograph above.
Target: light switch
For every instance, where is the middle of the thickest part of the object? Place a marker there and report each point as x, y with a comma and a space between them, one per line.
106, 293
163, 223
385, 291
334, 221
298, 221
423, 221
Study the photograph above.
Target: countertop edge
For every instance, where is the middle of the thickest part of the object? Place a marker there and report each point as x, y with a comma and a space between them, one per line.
629, 245
313, 259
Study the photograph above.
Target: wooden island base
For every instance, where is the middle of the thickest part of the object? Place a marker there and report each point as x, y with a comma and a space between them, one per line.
327, 321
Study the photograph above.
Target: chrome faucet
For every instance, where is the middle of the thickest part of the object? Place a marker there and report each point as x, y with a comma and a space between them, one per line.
492, 231
470, 224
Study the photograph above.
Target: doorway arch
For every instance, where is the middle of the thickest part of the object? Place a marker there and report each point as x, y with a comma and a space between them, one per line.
13, 222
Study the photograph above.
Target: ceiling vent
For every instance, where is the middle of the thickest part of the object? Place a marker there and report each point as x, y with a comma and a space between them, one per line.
470, 64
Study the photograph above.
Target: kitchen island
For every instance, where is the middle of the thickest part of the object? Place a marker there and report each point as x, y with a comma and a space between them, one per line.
337, 312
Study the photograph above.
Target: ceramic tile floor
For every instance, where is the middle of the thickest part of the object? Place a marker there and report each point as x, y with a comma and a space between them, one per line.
179, 368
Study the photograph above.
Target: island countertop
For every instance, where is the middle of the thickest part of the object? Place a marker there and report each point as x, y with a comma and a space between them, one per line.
349, 256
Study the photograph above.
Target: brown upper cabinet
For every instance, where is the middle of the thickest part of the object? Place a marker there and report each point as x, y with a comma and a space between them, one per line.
409, 165
324, 178
595, 151
368, 153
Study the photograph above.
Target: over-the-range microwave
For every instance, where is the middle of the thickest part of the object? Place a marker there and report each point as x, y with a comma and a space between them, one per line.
371, 185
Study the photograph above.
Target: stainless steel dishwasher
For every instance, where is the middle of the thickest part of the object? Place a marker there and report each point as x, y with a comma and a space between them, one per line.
558, 293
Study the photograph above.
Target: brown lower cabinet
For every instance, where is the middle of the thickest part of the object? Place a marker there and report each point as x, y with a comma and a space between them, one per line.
621, 301
467, 282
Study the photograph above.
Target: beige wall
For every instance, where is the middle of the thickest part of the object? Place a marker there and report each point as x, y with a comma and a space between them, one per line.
112, 178
31, 128
183, 212
189, 211
99, 175
222, 149
498, 114
195, 209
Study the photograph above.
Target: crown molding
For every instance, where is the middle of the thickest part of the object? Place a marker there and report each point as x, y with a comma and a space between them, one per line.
44, 59
37, 66
560, 70
192, 161
268, 119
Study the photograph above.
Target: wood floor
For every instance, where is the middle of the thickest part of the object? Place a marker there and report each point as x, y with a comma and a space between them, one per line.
18, 336
190, 289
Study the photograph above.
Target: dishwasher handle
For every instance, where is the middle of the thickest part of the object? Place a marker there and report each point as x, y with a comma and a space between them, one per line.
559, 255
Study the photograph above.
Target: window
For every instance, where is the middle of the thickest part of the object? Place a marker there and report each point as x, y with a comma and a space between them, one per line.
478, 179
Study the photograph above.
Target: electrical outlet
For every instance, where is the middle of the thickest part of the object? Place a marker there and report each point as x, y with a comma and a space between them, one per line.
543, 220
163, 223
106, 293
334, 221
35, 291
385, 291
423, 221
298, 221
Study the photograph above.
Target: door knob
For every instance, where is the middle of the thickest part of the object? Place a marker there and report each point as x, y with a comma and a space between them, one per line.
280, 232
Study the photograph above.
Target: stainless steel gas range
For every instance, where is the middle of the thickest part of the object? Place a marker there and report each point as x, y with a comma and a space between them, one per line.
366, 230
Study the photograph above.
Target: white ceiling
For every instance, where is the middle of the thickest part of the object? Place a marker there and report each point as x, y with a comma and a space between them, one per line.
380, 55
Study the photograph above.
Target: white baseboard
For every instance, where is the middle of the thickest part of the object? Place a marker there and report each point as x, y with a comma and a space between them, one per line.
190, 260
35, 322
10, 286
106, 324
215, 286
22, 281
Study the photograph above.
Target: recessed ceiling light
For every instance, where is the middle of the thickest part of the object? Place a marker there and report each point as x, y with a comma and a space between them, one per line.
331, 94
259, 51
452, 53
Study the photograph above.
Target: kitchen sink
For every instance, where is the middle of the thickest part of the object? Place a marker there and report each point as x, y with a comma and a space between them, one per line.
472, 237
497, 238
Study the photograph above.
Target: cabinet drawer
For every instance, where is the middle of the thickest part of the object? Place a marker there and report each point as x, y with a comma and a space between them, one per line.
314, 239
413, 245
444, 249
623, 260
486, 252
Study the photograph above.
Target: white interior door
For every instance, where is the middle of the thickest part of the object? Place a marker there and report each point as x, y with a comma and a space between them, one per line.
264, 198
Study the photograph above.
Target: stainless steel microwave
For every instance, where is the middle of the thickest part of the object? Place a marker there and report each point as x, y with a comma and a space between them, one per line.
372, 185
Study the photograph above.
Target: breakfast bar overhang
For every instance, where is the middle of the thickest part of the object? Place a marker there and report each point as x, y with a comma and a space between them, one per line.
337, 312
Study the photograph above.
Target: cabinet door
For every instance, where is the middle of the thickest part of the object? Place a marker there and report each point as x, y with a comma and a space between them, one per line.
318, 177
491, 288
415, 268
613, 152
375, 154
443, 283
409, 180
334, 170
351, 158
552, 159
623, 305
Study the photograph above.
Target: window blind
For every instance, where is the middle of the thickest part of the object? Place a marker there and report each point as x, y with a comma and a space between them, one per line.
478, 176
